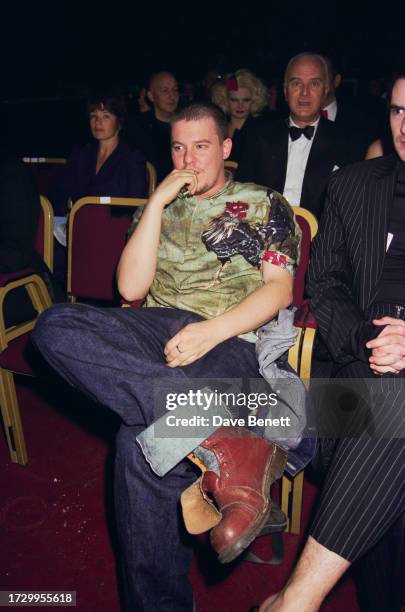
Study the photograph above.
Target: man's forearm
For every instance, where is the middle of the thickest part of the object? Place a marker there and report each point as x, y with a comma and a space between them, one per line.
137, 265
255, 310
197, 339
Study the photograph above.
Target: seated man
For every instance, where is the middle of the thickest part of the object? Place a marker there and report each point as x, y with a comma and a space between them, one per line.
150, 131
215, 260
298, 156
357, 289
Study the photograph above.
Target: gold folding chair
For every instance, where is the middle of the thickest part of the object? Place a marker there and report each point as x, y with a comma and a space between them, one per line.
14, 339
299, 357
232, 166
152, 178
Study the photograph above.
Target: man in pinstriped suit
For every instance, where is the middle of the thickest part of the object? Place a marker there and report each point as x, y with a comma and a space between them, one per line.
357, 288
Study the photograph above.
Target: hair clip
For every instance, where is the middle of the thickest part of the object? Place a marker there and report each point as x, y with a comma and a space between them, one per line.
232, 83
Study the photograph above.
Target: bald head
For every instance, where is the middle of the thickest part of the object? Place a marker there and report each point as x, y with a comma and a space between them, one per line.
308, 57
163, 92
306, 87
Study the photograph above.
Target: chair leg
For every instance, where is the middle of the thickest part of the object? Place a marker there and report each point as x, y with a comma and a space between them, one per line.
291, 501
285, 499
296, 505
11, 418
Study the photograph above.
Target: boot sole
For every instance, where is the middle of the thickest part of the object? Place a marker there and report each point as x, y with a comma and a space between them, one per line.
274, 470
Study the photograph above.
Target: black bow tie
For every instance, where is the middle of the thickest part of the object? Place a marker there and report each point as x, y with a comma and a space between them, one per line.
295, 132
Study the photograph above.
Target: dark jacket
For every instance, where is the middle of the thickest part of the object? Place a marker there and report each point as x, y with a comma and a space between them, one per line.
265, 157
348, 252
123, 174
152, 137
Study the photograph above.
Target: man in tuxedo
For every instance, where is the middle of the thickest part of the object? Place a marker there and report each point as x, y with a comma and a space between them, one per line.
357, 290
151, 130
297, 156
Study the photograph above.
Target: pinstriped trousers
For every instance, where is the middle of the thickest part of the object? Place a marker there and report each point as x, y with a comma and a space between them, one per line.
363, 499
364, 491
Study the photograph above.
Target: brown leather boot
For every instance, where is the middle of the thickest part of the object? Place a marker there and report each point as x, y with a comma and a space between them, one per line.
248, 467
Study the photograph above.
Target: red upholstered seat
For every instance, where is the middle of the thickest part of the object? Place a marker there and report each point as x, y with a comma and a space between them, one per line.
16, 356
304, 317
299, 281
94, 262
46, 171
11, 276
97, 237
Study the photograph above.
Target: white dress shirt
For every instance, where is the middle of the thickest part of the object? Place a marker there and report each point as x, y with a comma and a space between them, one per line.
332, 110
298, 153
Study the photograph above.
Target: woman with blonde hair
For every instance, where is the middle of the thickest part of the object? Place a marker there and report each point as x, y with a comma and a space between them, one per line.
241, 96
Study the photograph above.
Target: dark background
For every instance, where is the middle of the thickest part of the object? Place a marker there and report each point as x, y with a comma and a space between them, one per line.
53, 53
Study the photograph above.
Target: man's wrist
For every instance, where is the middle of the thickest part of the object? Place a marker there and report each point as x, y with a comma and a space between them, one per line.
156, 203
222, 329
218, 330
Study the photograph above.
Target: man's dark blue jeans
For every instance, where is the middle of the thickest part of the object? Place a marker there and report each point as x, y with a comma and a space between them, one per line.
114, 356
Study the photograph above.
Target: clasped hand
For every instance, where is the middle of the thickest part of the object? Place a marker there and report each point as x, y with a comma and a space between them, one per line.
388, 349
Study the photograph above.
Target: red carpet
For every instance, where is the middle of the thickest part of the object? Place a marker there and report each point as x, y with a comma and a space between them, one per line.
57, 527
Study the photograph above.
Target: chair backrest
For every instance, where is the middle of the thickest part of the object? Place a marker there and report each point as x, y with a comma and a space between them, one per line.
44, 235
96, 240
46, 171
152, 178
309, 227
230, 165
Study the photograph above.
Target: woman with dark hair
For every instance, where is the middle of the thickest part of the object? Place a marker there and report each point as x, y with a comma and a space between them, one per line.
106, 167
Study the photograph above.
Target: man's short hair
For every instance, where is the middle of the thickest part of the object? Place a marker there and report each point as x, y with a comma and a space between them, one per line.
203, 110
310, 56
398, 75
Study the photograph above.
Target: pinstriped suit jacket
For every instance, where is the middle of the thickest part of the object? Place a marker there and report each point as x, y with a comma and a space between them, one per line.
348, 252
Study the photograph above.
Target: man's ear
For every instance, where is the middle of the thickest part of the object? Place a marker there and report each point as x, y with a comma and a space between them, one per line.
227, 148
337, 80
149, 95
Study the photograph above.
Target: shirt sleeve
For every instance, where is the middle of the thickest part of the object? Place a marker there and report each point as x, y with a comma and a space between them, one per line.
360, 334
135, 220
281, 235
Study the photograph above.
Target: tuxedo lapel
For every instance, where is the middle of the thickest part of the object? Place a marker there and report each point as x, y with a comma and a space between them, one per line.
276, 161
319, 165
378, 196
320, 148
